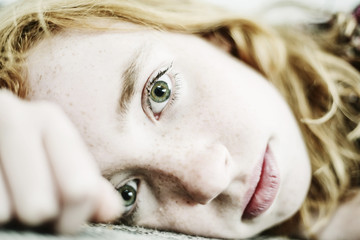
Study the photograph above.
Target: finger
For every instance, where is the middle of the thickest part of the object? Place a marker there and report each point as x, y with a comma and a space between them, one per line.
27, 171
73, 215
75, 170
29, 179
5, 204
109, 205
107, 208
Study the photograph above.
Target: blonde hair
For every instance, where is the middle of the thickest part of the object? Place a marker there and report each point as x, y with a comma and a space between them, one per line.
321, 88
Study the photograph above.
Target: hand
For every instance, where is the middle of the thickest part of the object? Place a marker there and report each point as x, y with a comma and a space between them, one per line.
46, 172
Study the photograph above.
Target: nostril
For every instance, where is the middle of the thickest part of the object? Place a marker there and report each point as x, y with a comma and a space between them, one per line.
201, 199
204, 174
206, 187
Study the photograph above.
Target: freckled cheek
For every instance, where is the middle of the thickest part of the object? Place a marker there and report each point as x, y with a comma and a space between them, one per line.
206, 116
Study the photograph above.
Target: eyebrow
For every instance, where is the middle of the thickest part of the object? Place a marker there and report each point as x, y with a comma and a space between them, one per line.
130, 77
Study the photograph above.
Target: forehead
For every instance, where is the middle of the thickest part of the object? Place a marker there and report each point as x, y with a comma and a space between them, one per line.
116, 40
72, 52
88, 41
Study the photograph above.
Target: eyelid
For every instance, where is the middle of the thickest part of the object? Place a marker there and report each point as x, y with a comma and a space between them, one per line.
126, 181
159, 74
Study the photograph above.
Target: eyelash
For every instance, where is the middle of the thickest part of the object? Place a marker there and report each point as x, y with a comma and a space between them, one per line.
129, 218
175, 77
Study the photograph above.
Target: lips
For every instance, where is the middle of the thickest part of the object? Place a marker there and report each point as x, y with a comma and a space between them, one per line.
264, 187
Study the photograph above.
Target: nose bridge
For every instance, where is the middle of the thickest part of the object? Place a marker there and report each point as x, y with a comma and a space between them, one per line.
203, 173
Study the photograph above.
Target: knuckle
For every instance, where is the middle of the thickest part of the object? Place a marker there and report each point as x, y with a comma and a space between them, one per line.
48, 106
11, 111
48, 109
7, 99
52, 114
34, 213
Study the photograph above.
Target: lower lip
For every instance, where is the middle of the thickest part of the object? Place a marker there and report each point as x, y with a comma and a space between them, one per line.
265, 185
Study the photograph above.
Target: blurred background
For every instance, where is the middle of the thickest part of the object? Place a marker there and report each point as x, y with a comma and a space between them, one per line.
279, 10
329, 5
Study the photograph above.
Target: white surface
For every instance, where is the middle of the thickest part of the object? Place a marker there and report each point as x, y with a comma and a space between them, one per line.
278, 11
6, 1
253, 5
284, 12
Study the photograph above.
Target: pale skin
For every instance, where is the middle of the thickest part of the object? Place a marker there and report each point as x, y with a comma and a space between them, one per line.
192, 160
40, 181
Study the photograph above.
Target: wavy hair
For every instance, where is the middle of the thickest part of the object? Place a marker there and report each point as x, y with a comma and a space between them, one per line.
321, 88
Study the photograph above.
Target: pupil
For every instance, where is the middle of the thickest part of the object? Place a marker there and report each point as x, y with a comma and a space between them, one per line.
160, 91
127, 195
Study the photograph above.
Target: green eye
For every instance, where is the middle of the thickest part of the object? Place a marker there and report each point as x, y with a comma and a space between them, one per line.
128, 193
160, 92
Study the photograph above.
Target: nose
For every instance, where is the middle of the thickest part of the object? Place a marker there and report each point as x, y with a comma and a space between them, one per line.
203, 173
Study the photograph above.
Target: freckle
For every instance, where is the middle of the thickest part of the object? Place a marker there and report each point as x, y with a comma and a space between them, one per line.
48, 91
70, 104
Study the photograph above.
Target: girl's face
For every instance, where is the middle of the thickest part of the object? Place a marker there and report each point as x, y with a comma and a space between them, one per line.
208, 145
